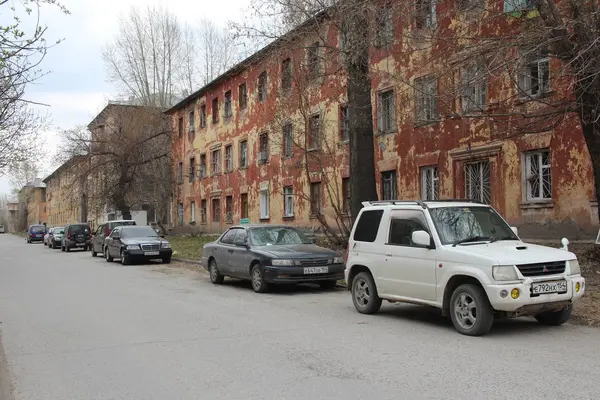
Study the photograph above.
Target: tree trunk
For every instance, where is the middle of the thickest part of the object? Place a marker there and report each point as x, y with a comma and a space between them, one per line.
360, 113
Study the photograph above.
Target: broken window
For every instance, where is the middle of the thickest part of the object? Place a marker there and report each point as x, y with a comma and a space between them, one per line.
538, 177
534, 74
429, 183
477, 182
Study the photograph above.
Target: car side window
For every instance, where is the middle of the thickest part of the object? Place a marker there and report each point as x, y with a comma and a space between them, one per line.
368, 226
403, 224
240, 236
229, 236
115, 231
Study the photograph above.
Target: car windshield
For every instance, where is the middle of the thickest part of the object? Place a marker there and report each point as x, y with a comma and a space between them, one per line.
277, 235
59, 231
470, 224
138, 231
38, 229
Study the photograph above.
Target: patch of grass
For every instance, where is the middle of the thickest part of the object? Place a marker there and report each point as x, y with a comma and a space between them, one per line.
188, 247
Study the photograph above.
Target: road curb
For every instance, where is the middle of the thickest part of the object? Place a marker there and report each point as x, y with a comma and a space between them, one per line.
6, 388
184, 260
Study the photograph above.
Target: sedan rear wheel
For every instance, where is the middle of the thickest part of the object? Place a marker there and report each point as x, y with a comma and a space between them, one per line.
258, 280
215, 275
107, 256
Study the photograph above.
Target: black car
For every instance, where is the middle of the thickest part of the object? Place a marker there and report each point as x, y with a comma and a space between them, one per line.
35, 233
271, 254
76, 236
103, 231
133, 243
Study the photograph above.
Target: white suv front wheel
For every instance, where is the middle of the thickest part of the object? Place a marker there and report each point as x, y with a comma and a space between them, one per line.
470, 310
364, 294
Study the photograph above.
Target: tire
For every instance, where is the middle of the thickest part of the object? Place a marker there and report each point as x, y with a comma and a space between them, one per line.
94, 254
364, 294
470, 310
166, 260
62, 248
125, 259
107, 257
67, 248
328, 284
258, 279
53, 245
215, 276
555, 318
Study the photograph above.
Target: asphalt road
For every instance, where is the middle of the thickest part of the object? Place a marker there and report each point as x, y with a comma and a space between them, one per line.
74, 327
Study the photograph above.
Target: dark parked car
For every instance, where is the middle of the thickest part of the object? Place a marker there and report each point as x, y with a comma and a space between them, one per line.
103, 231
54, 237
2, 229
133, 243
35, 233
76, 236
271, 254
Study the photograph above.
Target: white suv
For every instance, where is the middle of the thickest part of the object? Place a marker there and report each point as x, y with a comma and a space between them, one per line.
459, 256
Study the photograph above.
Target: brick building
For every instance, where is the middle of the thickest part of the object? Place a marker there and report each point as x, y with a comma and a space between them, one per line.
65, 198
267, 140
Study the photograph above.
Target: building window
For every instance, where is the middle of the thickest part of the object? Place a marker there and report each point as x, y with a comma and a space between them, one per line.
203, 116
426, 14
216, 210
192, 127
314, 132
203, 211
288, 141
515, 6
264, 204
229, 209
288, 201
429, 183
286, 74
388, 185
263, 150
346, 195
179, 214
202, 166
243, 96
262, 86
193, 211
180, 127
228, 158
180, 172
538, 177
192, 171
244, 205
384, 34
425, 93
534, 74
313, 59
344, 123
243, 154
315, 198
215, 161
228, 112
386, 112
473, 88
215, 110
477, 181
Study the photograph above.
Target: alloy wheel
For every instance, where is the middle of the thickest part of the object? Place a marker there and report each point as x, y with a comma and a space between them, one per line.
465, 310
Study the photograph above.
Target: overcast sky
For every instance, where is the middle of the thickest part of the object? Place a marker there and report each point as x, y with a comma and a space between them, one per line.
77, 88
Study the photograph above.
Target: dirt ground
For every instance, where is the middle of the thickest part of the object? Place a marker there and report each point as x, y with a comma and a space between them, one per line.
587, 310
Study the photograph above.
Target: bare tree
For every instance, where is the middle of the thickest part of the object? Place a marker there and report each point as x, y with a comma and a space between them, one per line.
23, 179
22, 50
128, 162
217, 50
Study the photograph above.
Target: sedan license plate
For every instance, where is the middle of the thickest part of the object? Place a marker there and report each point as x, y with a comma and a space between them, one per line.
316, 270
80, 244
151, 253
549, 287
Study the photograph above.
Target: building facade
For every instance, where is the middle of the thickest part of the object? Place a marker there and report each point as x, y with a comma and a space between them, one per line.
267, 141
66, 201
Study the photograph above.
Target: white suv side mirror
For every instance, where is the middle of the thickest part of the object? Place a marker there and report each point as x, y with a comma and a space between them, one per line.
421, 238
515, 230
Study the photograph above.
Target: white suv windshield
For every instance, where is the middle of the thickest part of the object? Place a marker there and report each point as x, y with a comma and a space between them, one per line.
469, 224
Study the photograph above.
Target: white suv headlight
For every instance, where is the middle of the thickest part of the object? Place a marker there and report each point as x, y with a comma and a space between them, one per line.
504, 273
574, 267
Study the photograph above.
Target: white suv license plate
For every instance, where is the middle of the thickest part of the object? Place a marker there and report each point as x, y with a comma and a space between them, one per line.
151, 253
549, 287
316, 270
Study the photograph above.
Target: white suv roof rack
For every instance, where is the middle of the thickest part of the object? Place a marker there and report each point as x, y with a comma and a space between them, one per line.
417, 202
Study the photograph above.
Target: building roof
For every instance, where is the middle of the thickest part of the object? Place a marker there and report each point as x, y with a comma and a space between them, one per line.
64, 166
252, 59
110, 105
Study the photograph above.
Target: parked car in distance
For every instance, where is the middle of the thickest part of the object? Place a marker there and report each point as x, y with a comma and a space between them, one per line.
35, 233
54, 238
136, 243
47, 236
271, 254
2, 229
103, 231
76, 236
461, 257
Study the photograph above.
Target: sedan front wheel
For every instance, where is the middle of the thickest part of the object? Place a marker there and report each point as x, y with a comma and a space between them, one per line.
258, 280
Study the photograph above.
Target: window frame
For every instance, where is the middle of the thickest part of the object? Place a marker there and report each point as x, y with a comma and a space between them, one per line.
229, 209
180, 173
313, 61
244, 209
474, 86
397, 216
228, 158
264, 206
262, 86
389, 126
425, 98
384, 31
192, 211
314, 141
263, 149
528, 59
228, 105
191, 121
286, 74
288, 200
215, 162
243, 153
242, 96
393, 177
539, 153
202, 170
203, 209
288, 140
203, 116
215, 211
426, 14
316, 199
215, 110
430, 172
192, 171
481, 195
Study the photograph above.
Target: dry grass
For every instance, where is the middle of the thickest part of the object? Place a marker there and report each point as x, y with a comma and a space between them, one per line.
188, 247
587, 310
